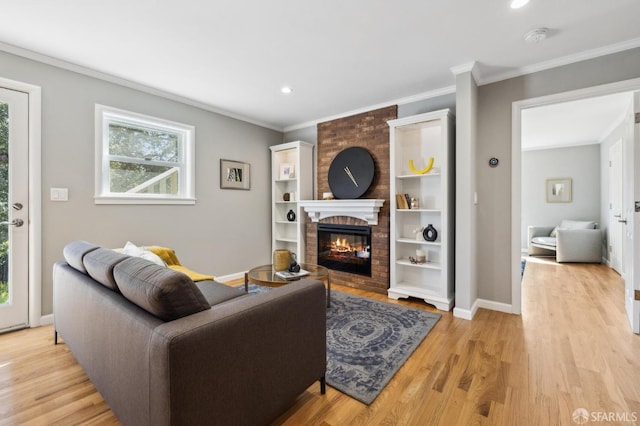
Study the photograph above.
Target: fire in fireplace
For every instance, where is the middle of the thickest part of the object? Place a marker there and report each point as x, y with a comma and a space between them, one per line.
345, 248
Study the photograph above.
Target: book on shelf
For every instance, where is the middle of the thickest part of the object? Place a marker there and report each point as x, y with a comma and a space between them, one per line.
408, 199
401, 201
286, 275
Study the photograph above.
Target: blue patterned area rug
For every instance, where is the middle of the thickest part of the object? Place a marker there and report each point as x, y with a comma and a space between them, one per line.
368, 341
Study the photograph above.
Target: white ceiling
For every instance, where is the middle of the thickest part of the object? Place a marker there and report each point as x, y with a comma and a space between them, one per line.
338, 56
581, 122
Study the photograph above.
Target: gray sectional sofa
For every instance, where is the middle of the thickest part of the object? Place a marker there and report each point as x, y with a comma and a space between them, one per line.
163, 350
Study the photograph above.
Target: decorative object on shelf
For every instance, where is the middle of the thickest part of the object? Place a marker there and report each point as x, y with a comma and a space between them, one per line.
291, 216
235, 175
293, 265
559, 190
286, 196
281, 259
293, 197
421, 171
430, 233
328, 196
415, 203
421, 256
351, 173
418, 232
415, 260
287, 171
493, 162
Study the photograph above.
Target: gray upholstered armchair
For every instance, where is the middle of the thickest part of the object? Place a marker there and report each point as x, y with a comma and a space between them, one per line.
571, 241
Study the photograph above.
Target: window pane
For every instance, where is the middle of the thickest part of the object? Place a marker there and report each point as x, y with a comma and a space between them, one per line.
143, 178
138, 142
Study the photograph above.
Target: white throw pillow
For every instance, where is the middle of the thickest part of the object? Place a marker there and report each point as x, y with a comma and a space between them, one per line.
133, 250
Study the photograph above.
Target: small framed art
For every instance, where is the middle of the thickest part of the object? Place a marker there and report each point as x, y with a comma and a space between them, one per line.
235, 174
559, 190
287, 171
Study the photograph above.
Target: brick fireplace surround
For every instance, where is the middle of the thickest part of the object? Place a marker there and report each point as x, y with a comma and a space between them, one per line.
370, 131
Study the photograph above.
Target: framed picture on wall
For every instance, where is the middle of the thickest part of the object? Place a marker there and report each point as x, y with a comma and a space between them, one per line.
235, 174
559, 190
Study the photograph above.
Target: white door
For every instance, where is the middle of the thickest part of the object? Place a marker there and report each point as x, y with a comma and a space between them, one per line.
616, 210
631, 217
14, 196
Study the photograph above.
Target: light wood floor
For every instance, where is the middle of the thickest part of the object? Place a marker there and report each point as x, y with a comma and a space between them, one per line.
571, 348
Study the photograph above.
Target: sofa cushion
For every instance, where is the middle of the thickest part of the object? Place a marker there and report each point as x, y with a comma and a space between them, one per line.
75, 251
162, 292
99, 264
577, 224
545, 241
216, 292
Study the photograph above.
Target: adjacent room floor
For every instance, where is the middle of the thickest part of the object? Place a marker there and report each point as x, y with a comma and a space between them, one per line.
571, 349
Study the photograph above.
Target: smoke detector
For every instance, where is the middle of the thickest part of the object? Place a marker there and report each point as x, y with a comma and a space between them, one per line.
537, 35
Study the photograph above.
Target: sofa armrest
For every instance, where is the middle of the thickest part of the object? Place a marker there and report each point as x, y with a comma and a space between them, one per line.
579, 245
257, 351
538, 231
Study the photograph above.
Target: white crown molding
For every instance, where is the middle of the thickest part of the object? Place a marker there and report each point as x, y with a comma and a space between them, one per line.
564, 60
402, 101
471, 67
70, 66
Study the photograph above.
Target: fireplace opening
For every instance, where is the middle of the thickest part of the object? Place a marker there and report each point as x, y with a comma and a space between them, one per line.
345, 248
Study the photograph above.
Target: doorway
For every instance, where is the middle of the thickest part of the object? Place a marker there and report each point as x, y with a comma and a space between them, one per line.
14, 208
32, 223
631, 232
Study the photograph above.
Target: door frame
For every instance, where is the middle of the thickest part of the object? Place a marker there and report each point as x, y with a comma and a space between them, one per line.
620, 183
35, 199
632, 85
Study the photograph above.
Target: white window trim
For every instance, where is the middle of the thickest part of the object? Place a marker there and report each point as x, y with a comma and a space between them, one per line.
103, 114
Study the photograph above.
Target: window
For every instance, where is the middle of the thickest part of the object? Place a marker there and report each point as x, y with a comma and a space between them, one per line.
142, 160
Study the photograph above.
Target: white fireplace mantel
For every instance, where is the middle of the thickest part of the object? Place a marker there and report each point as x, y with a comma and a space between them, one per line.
364, 209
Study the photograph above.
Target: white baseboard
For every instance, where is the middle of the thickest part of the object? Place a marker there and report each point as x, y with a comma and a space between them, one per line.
468, 314
463, 313
45, 320
230, 277
495, 306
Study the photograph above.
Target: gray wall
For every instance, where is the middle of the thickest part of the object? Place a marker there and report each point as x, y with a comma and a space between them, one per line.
226, 231
581, 164
494, 139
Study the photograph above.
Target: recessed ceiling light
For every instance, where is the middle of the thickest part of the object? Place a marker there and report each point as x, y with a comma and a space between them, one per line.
517, 4
286, 90
536, 35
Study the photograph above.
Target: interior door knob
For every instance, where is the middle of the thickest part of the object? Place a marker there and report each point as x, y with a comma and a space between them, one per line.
17, 206
622, 221
15, 222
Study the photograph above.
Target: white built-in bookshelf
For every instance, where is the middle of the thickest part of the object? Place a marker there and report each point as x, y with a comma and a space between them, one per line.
292, 174
416, 139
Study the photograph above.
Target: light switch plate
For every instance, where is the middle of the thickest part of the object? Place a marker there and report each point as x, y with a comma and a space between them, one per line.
59, 194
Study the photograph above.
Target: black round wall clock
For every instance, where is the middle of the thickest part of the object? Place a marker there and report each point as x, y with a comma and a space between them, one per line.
351, 173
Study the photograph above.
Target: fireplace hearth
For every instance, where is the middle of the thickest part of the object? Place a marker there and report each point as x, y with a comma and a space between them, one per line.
345, 248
